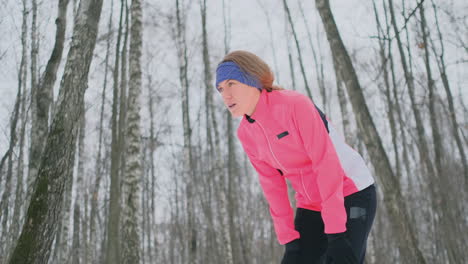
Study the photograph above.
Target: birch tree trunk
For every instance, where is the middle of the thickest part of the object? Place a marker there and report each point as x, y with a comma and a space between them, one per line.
133, 168
78, 240
34, 51
57, 162
19, 201
404, 231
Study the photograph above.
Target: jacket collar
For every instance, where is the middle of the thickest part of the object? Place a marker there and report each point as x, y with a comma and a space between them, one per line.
261, 109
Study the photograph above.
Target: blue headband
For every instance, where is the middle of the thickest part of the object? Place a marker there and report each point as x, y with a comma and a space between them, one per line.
229, 70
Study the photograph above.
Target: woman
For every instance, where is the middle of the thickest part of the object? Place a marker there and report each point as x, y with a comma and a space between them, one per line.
286, 136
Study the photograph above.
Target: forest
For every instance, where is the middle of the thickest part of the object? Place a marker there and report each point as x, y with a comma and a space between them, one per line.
117, 148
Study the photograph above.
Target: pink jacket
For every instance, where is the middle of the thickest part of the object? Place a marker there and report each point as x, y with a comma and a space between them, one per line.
286, 137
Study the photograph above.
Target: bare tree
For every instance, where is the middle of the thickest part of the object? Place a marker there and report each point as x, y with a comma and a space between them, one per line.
57, 162
133, 168
288, 13
99, 170
450, 227
401, 224
112, 239
319, 71
388, 94
43, 97
422, 143
214, 150
270, 32
181, 46
440, 58
8, 157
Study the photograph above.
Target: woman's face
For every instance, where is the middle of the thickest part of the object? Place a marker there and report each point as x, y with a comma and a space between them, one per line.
238, 97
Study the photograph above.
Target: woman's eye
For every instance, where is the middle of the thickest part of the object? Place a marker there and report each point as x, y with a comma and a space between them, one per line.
230, 84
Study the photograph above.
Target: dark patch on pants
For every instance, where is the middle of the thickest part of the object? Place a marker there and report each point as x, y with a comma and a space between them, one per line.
357, 213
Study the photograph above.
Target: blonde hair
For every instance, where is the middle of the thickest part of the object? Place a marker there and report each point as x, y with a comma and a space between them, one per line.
255, 66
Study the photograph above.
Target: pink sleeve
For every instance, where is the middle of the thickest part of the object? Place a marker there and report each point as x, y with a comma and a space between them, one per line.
325, 163
275, 191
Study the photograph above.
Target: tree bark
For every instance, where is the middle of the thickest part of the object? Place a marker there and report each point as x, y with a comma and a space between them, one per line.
78, 239
43, 98
113, 237
57, 162
133, 168
17, 212
404, 231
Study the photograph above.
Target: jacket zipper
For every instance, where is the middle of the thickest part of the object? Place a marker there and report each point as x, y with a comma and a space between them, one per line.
271, 150
303, 186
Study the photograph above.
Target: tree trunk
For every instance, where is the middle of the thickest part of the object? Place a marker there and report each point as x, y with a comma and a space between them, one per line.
152, 146
191, 237
387, 91
215, 153
34, 52
290, 56
306, 84
113, 237
19, 201
133, 169
444, 76
422, 143
318, 64
78, 241
94, 254
401, 225
438, 150
8, 157
272, 42
43, 98
57, 162
449, 222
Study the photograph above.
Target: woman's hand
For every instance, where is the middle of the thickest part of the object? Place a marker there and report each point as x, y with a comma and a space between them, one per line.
292, 252
340, 250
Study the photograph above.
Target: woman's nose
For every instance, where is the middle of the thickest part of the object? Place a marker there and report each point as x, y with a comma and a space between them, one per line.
226, 95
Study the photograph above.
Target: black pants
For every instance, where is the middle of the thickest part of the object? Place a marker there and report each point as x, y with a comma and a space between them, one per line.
360, 210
